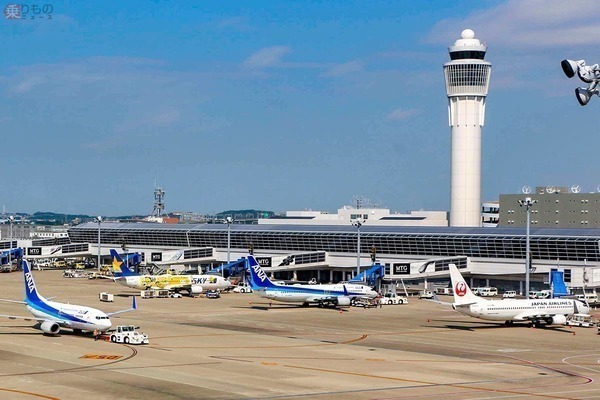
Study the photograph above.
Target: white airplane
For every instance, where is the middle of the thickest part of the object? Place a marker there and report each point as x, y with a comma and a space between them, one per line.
536, 312
53, 315
335, 295
193, 284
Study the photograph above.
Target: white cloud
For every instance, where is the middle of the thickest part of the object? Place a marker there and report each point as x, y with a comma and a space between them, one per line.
267, 57
166, 117
400, 114
528, 24
349, 67
27, 84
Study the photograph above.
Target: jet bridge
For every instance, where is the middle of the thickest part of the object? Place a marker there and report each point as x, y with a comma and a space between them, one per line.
233, 268
371, 276
11, 254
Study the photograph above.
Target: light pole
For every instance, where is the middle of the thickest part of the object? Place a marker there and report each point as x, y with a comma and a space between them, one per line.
99, 221
11, 219
358, 223
527, 203
229, 221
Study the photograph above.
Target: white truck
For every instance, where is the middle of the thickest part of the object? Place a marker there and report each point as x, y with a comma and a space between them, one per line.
392, 298
128, 335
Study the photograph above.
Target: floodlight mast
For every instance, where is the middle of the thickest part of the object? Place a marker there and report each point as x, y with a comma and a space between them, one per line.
589, 74
358, 223
527, 203
11, 219
98, 219
228, 221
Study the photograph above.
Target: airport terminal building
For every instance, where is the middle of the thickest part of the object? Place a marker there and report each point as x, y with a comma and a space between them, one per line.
489, 256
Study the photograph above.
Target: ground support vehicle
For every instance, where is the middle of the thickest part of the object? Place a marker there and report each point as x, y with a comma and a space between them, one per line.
366, 302
426, 294
392, 298
128, 335
583, 320
241, 288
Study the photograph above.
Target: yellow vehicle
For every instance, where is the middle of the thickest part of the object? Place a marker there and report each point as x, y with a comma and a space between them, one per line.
79, 266
59, 264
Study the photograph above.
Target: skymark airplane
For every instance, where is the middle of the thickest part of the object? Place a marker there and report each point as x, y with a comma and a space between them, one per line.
335, 295
548, 311
53, 315
193, 284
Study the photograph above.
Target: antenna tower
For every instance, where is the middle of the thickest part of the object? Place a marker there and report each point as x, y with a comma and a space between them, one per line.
159, 205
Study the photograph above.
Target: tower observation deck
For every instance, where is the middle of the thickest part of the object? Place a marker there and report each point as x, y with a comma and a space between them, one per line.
467, 80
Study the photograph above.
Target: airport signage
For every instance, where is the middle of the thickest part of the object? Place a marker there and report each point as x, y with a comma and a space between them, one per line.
264, 262
402, 269
34, 251
156, 257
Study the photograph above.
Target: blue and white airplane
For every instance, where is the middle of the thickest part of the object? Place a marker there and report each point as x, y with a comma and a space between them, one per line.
53, 315
335, 295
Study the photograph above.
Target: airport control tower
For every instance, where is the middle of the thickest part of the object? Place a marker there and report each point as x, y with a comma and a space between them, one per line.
467, 81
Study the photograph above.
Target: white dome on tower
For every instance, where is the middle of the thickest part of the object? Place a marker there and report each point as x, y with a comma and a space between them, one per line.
467, 38
467, 34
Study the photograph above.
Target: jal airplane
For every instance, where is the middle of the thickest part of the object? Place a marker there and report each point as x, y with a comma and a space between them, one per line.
536, 312
335, 295
193, 284
53, 315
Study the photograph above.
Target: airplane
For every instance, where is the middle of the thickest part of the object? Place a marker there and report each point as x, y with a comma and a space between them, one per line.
534, 311
53, 315
193, 284
335, 295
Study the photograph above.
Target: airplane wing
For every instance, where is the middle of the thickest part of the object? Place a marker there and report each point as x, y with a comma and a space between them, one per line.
14, 301
437, 300
133, 307
170, 287
40, 320
316, 299
530, 316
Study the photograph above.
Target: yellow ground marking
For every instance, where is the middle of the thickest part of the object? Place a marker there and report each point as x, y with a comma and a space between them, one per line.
101, 356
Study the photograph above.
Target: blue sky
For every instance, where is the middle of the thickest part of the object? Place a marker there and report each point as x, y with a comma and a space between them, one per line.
283, 105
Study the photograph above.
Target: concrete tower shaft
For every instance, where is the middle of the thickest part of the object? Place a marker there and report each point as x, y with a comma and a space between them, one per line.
467, 81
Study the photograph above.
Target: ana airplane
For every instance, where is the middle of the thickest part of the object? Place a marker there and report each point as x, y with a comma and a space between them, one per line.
536, 312
193, 284
335, 295
53, 315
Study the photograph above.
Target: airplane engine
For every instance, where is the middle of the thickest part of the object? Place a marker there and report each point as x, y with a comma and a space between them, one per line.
50, 328
343, 301
557, 320
196, 289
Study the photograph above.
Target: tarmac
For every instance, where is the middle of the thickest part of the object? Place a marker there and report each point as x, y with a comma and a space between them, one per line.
242, 347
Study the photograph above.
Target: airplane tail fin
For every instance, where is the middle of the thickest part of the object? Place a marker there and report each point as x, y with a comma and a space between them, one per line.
258, 277
31, 293
119, 268
462, 292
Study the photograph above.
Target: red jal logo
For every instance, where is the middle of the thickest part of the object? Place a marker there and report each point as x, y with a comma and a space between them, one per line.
461, 289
